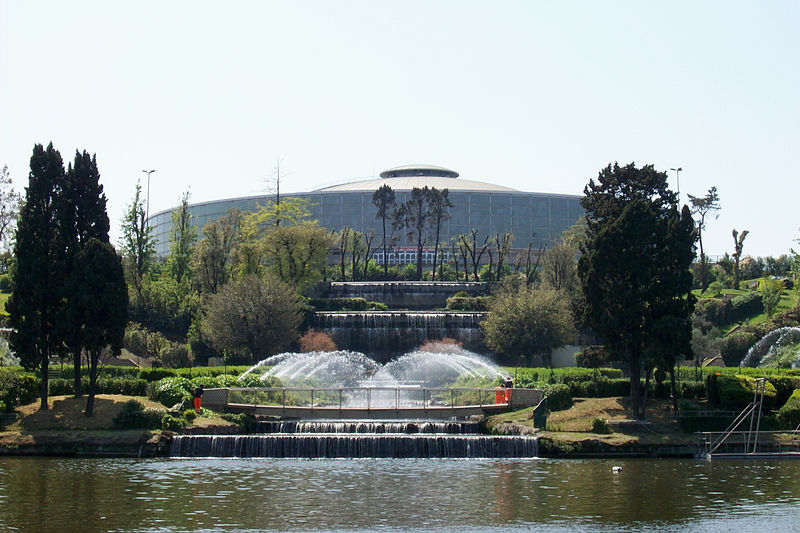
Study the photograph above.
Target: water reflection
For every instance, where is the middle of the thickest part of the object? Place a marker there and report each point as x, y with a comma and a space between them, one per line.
423, 495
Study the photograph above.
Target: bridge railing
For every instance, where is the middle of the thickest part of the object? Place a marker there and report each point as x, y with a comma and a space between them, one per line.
370, 397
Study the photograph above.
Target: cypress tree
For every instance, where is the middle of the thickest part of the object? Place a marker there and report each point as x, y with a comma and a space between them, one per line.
36, 303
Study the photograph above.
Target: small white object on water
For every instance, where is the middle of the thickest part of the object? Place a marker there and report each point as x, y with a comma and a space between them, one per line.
616, 469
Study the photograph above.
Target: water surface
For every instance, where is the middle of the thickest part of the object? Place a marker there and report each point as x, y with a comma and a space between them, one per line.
53, 494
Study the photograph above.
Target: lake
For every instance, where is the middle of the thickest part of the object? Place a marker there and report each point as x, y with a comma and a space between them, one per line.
87, 495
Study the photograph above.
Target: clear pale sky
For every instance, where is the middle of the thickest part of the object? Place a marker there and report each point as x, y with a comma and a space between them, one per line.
538, 96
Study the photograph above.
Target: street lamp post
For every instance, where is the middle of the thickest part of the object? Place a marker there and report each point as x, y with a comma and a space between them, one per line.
678, 182
147, 212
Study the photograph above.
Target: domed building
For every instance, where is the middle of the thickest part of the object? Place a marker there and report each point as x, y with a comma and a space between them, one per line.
531, 217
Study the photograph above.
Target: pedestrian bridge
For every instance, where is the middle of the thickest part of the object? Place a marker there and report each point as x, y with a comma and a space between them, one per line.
363, 403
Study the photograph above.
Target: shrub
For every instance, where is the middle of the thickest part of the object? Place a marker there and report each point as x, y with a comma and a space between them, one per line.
735, 392
734, 347
190, 415
170, 391
3, 406
745, 306
600, 425
789, 415
558, 397
377, 306
338, 304
316, 341
172, 423
156, 374
600, 388
126, 386
468, 303
245, 422
461, 294
134, 415
17, 388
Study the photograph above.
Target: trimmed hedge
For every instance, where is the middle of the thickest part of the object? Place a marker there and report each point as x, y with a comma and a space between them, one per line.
789, 415
126, 386
600, 388
339, 304
735, 392
735, 346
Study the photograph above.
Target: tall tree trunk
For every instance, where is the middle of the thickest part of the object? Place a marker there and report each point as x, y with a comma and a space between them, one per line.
76, 364
636, 375
703, 275
95, 356
45, 383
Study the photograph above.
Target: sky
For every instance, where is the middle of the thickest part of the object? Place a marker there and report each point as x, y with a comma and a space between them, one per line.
533, 95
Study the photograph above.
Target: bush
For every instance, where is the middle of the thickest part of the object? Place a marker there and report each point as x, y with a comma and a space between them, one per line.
745, 306
190, 415
245, 422
559, 397
156, 374
735, 392
377, 306
789, 415
338, 304
468, 303
316, 341
600, 425
600, 388
171, 391
172, 423
734, 347
134, 415
17, 388
126, 386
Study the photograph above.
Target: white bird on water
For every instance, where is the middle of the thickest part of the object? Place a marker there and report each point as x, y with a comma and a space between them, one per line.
616, 469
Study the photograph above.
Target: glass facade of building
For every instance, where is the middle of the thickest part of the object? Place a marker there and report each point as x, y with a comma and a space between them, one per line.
535, 218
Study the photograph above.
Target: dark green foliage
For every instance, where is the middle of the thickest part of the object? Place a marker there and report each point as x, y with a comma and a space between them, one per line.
735, 392
126, 386
172, 423
634, 268
599, 388
170, 391
156, 374
558, 397
593, 357
17, 388
377, 306
735, 346
789, 415
36, 305
784, 387
720, 312
600, 425
339, 304
190, 415
468, 303
247, 423
134, 415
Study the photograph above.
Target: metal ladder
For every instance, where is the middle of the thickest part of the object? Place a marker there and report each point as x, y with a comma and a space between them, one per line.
755, 420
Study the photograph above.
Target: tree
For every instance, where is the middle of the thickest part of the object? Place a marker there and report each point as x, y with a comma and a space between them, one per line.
470, 248
529, 323
559, 268
138, 244
99, 305
634, 266
702, 207
771, 291
182, 238
738, 245
82, 217
36, 305
439, 211
413, 215
252, 317
384, 200
10, 203
298, 254
213, 255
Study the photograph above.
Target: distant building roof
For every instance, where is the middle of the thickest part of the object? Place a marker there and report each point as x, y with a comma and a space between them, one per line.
406, 178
